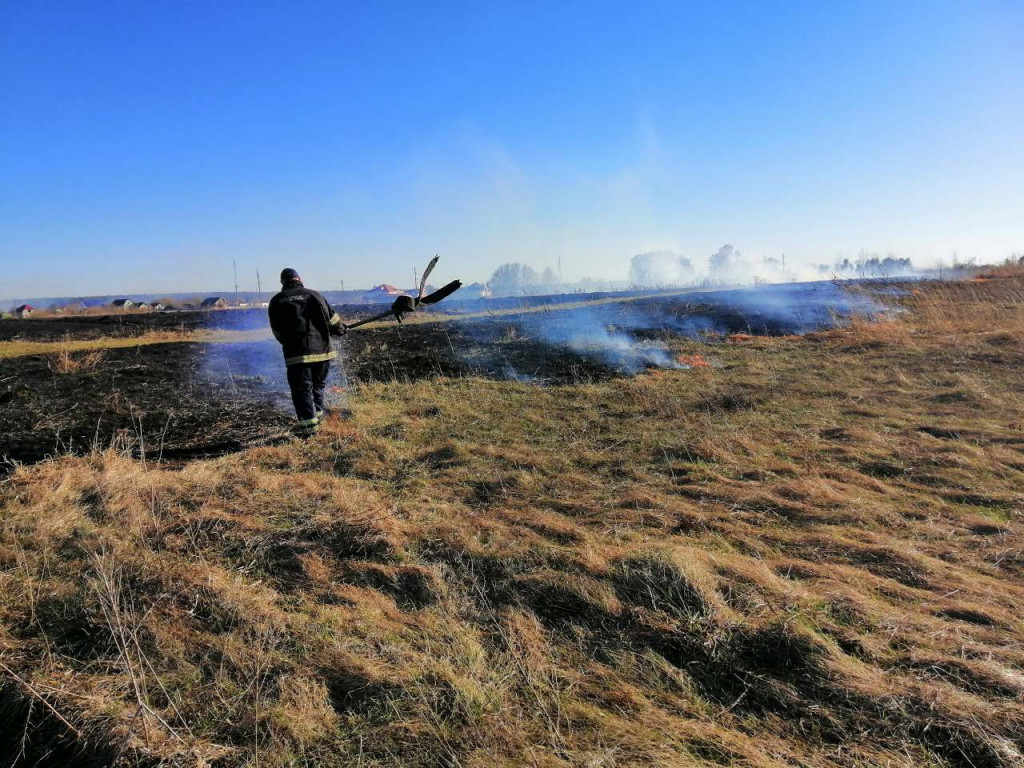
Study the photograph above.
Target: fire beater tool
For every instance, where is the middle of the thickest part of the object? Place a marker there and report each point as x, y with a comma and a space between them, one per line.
403, 305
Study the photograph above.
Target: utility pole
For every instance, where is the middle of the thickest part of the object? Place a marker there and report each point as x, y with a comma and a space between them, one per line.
259, 287
561, 280
234, 267
415, 278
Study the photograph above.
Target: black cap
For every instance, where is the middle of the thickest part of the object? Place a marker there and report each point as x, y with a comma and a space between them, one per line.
289, 274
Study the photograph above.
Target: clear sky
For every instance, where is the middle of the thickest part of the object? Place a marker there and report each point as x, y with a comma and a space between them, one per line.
146, 145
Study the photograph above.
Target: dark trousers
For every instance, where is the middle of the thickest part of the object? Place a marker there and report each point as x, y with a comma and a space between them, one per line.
308, 382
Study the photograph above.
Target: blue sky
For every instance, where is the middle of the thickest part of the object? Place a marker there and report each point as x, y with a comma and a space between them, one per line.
144, 146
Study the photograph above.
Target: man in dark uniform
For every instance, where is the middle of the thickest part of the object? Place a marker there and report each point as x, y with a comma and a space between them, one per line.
304, 322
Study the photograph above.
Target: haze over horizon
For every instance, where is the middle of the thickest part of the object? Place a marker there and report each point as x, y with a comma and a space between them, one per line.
145, 148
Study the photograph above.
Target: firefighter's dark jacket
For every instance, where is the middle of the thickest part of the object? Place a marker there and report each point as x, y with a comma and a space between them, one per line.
303, 322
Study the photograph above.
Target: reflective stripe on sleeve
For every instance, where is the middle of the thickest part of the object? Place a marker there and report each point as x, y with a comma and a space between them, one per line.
335, 319
311, 358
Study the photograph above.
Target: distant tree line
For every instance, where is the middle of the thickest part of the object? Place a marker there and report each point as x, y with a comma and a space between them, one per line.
870, 265
727, 265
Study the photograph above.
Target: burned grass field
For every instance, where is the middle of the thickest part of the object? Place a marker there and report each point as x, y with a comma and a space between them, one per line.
155, 385
158, 401
527, 546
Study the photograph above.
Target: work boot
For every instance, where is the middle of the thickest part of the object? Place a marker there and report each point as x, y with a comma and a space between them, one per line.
308, 427
304, 433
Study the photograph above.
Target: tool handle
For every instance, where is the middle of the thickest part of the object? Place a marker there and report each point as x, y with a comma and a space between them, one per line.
373, 319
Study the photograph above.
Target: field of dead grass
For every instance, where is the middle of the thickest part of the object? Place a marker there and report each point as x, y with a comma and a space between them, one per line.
69, 348
808, 553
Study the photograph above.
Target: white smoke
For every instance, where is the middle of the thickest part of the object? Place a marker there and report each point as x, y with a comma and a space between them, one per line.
727, 266
661, 268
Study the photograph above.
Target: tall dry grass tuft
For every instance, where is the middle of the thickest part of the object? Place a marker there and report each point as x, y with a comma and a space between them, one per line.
967, 307
65, 362
986, 310
1011, 267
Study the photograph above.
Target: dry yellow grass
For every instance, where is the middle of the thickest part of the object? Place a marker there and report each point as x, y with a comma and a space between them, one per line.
1012, 267
811, 555
66, 362
69, 345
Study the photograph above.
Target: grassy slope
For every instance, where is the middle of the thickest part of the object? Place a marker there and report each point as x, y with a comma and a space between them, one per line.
812, 555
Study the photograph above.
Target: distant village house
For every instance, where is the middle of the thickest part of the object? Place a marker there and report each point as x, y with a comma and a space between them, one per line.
214, 302
380, 294
122, 303
25, 310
